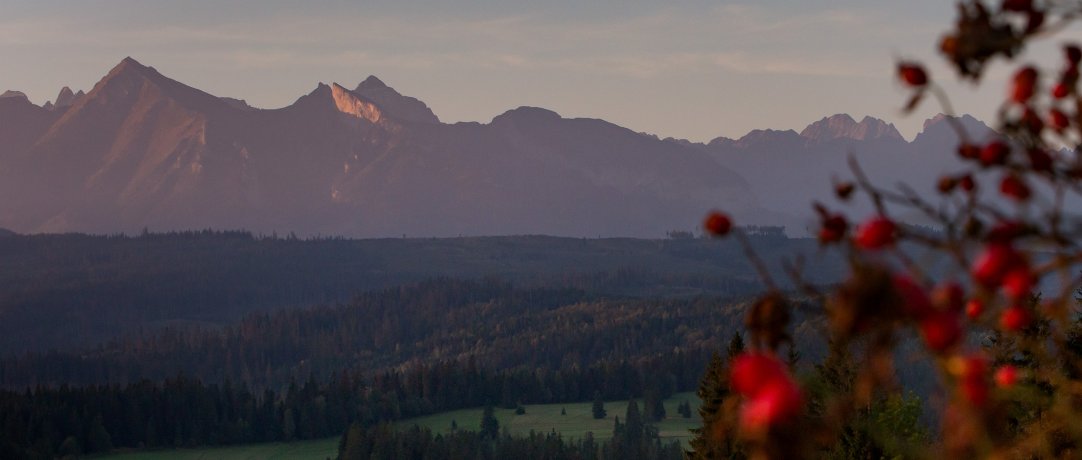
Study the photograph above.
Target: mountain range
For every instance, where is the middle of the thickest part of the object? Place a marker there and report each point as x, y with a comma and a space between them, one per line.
143, 151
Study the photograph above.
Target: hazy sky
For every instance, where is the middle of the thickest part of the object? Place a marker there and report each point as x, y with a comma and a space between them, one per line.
691, 69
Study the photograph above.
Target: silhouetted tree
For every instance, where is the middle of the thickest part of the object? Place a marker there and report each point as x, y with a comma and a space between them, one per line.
490, 427
598, 407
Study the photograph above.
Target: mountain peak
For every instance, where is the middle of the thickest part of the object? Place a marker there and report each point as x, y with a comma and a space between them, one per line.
527, 114
965, 119
12, 94
128, 64
843, 126
65, 98
349, 103
371, 83
130, 81
940, 126
403, 108
129, 70
757, 137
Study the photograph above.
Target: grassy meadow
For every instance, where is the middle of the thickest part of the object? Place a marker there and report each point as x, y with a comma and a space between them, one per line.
577, 421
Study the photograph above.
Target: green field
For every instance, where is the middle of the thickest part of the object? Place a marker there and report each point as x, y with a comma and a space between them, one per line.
578, 421
539, 418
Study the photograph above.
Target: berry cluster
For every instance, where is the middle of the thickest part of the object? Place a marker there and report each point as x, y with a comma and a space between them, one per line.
996, 336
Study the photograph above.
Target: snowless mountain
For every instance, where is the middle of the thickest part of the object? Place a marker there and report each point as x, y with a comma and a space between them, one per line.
141, 150
788, 170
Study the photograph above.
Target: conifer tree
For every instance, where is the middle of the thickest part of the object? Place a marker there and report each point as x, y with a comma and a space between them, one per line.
99, 439
599, 406
736, 345
711, 441
653, 405
633, 425
490, 427
352, 446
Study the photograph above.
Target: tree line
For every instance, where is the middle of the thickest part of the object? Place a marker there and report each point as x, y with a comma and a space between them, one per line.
71, 291
47, 422
489, 320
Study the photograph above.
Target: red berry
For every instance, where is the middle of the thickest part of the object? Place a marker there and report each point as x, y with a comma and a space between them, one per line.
974, 380
1006, 376
994, 263
995, 153
969, 151
751, 372
717, 224
1023, 84
974, 308
773, 396
967, 183
1058, 119
949, 296
834, 228
912, 74
777, 403
1014, 187
1061, 90
827, 236
975, 392
1014, 318
941, 330
1017, 283
876, 233
974, 368
915, 301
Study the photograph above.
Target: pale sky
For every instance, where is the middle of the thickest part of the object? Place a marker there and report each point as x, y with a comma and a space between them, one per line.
687, 69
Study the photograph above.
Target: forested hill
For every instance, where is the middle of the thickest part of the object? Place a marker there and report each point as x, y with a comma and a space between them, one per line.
489, 323
74, 291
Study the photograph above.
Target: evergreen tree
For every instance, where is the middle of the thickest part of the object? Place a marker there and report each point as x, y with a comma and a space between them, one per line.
352, 446
653, 404
489, 425
617, 442
736, 345
588, 450
289, 425
507, 400
684, 409
711, 441
99, 439
70, 448
634, 439
634, 426
599, 406
887, 417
